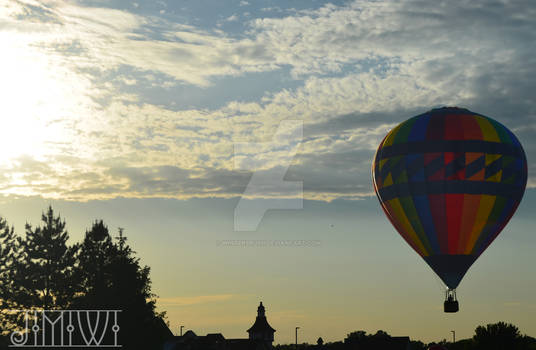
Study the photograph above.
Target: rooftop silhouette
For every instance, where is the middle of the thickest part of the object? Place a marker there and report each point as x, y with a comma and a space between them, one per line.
261, 337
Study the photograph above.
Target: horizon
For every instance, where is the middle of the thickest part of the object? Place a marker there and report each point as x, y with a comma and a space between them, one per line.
234, 140
384, 299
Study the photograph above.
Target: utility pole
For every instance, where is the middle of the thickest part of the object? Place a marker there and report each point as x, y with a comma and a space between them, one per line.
297, 337
453, 336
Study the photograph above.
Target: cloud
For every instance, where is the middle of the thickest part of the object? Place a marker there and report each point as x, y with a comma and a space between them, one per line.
232, 18
109, 38
356, 70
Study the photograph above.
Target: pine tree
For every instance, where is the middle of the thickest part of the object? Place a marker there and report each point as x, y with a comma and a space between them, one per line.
10, 253
42, 271
110, 277
131, 291
47, 269
92, 274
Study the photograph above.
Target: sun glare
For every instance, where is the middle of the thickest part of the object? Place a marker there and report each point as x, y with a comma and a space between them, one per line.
36, 99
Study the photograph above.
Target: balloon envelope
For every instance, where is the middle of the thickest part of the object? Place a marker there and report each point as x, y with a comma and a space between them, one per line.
449, 180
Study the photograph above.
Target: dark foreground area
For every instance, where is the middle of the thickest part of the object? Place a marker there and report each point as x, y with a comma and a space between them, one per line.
497, 336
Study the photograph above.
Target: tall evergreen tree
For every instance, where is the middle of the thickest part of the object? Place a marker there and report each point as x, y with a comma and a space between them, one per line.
92, 274
131, 292
110, 277
10, 253
47, 269
8, 256
42, 271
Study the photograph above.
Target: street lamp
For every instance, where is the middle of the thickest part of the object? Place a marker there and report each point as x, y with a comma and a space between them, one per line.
297, 337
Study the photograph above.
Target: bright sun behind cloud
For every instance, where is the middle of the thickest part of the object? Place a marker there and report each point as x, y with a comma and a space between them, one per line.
38, 98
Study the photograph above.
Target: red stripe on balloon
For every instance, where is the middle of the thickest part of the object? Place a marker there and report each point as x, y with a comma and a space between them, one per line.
437, 208
471, 128
434, 131
448, 156
454, 209
452, 127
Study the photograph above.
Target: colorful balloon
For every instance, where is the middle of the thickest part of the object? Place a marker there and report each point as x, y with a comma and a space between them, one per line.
449, 180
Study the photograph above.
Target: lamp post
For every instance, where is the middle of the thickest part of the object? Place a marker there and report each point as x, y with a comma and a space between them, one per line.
297, 337
453, 336
181, 330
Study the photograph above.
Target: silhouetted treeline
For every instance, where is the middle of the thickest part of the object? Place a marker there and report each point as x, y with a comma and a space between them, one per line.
42, 270
497, 336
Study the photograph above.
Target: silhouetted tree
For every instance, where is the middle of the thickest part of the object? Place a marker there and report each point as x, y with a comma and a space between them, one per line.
417, 345
4, 343
319, 342
93, 270
360, 340
528, 343
109, 276
10, 253
356, 337
131, 292
41, 270
8, 250
463, 344
47, 267
497, 336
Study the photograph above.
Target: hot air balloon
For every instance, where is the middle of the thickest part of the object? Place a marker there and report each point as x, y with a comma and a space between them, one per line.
449, 180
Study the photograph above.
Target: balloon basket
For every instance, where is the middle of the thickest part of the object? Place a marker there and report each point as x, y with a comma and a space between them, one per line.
451, 304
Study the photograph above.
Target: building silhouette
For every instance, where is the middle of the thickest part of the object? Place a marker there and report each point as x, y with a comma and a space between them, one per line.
261, 337
261, 330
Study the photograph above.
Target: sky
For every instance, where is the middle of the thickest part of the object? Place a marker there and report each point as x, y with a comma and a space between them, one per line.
182, 121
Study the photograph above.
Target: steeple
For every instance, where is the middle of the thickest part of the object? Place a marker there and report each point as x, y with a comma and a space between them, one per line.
261, 330
260, 310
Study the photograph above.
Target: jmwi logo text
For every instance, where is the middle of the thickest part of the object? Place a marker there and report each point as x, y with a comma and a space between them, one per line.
66, 328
